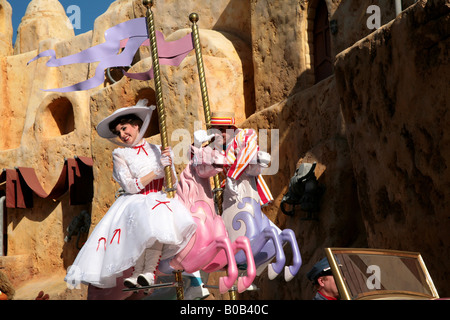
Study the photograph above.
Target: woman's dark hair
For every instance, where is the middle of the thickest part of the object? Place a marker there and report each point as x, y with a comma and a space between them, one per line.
129, 118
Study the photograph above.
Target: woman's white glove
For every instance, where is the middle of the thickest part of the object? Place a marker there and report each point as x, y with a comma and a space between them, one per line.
166, 157
166, 161
263, 159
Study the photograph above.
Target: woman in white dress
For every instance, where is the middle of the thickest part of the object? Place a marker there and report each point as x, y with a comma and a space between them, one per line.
142, 226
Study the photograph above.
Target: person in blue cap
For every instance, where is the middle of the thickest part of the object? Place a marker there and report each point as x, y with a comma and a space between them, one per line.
323, 280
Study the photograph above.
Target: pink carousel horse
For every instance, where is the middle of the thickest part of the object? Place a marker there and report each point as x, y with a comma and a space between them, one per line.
210, 249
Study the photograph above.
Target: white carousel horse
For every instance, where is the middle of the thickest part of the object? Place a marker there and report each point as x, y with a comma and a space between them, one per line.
243, 217
246, 218
210, 248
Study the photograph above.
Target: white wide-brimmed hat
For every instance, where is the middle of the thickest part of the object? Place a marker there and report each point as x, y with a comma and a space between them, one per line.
141, 110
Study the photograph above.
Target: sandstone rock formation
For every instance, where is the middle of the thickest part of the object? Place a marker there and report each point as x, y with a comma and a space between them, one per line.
397, 131
6, 29
44, 19
377, 128
387, 140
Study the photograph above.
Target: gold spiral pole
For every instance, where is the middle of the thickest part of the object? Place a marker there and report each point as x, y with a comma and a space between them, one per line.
193, 17
179, 280
162, 119
159, 96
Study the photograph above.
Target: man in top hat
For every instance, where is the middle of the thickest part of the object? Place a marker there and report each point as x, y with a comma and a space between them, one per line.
322, 277
241, 149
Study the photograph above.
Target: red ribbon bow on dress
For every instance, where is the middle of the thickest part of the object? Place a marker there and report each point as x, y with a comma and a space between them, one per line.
162, 202
140, 147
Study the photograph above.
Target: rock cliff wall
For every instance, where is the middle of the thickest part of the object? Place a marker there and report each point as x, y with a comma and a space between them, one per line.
392, 88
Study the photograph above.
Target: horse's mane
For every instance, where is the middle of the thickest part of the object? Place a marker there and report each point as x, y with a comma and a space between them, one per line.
194, 185
188, 188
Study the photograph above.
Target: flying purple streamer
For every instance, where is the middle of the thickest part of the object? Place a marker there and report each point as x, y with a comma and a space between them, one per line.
135, 31
171, 53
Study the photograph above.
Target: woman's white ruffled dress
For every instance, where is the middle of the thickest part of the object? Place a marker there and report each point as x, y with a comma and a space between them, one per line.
135, 221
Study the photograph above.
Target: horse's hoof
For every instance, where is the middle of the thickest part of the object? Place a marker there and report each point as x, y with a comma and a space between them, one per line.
241, 285
288, 276
271, 272
222, 286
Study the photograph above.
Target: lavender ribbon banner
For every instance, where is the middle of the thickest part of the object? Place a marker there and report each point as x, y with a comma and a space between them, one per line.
169, 53
129, 35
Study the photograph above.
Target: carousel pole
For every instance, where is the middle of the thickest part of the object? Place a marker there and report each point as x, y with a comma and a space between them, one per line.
159, 95
161, 118
193, 17
218, 191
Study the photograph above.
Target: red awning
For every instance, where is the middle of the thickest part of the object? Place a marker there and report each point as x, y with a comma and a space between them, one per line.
76, 177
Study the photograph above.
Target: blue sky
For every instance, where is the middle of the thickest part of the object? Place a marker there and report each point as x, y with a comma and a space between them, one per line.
89, 11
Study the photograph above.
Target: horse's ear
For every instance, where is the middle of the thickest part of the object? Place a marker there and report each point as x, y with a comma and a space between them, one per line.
194, 149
